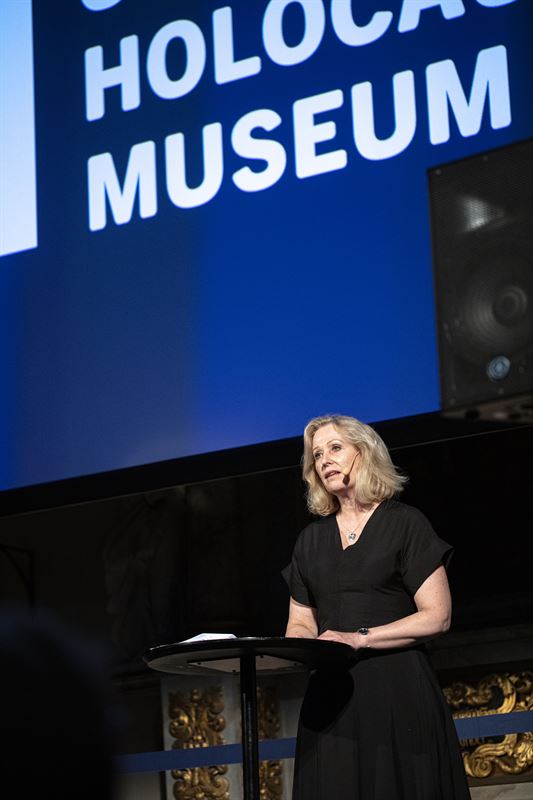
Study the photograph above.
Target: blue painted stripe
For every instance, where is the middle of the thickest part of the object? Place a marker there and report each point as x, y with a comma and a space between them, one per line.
276, 749
181, 759
269, 750
494, 725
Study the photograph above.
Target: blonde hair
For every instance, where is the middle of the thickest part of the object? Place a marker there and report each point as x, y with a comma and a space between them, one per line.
377, 477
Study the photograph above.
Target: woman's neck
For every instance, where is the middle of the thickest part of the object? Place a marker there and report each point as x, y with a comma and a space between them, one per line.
350, 507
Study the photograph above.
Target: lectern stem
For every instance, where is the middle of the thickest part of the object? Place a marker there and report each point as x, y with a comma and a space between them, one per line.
250, 749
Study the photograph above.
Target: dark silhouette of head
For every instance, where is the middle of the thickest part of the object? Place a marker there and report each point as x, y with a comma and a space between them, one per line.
56, 711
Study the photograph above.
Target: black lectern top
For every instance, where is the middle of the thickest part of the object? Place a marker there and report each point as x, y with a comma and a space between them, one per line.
273, 654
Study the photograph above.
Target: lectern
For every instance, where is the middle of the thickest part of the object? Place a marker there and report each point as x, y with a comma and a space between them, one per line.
246, 656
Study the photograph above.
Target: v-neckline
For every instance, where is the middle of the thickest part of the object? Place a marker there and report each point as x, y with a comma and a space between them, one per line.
365, 526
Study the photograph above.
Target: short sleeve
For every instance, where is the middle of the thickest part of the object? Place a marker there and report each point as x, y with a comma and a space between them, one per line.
294, 575
423, 551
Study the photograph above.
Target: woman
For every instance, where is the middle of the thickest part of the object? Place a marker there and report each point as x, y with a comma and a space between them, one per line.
370, 573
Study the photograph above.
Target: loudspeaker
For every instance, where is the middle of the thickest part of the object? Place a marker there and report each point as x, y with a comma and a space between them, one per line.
482, 235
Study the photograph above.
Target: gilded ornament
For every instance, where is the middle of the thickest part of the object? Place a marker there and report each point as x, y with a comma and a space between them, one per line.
503, 693
268, 724
196, 721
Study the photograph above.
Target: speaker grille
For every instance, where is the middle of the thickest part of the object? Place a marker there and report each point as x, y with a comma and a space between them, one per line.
482, 235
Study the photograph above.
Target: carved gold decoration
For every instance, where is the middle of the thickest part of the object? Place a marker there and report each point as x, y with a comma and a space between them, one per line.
196, 721
268, 724
511, 754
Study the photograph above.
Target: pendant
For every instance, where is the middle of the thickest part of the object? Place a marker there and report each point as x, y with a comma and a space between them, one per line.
352, 537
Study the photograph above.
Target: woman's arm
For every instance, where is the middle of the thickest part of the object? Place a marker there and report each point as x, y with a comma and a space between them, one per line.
302, 622
432, 618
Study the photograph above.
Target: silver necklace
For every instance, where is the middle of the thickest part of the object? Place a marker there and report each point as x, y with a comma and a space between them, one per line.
354, 534
351, 535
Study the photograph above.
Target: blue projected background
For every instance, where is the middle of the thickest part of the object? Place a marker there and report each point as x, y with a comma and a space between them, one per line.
226, 227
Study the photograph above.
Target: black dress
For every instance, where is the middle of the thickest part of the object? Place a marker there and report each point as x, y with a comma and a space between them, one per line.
382, 730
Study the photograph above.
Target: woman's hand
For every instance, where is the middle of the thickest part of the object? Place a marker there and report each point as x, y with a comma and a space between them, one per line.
343, 637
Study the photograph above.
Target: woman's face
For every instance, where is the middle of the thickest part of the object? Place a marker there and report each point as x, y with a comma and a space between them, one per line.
335, 459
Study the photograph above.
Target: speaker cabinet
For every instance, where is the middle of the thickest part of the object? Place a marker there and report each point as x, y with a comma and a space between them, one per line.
482, 234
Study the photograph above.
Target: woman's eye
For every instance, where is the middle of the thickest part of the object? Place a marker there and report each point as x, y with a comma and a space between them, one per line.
336, 447
317, 455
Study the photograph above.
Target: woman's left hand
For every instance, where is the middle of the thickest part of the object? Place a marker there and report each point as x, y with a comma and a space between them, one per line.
340, 636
